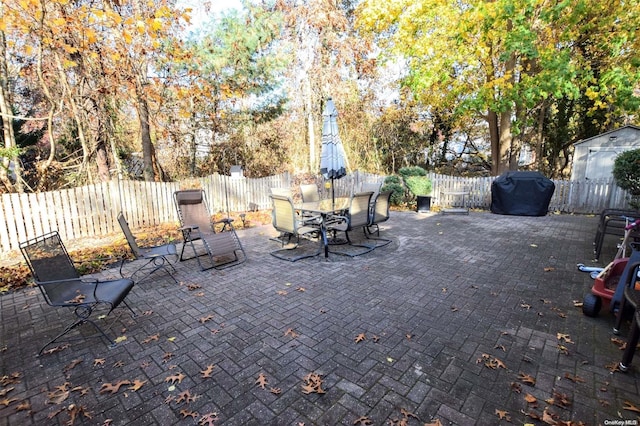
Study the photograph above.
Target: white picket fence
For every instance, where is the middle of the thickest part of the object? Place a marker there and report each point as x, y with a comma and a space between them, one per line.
90, 211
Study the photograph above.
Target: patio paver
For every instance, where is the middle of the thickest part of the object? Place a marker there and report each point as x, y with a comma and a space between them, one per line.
452, 316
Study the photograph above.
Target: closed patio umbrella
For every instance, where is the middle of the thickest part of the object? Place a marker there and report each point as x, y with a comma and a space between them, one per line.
332, 156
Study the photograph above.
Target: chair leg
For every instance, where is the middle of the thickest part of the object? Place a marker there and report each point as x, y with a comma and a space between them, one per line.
630, 350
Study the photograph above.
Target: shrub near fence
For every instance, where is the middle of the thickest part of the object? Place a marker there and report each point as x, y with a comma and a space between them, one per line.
90, 211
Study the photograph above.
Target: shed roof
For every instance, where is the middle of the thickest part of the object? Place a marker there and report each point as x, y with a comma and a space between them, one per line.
607, 133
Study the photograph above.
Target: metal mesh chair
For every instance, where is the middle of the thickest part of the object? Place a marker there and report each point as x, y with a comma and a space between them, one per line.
156, 256
222, 249
57, 278
379, 214
286, 221
358, 216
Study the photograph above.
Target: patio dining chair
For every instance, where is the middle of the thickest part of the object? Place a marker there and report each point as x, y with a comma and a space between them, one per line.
61, 285
222, 248
358, 216
379, 213
155, 256
309, 193
287, 222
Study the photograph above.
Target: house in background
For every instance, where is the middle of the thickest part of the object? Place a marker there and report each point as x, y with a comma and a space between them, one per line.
593, 158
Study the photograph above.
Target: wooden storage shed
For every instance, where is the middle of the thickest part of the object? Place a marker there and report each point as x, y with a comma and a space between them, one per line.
593, 158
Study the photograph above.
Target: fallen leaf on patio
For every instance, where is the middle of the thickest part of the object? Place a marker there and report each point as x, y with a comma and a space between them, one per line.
562, 315
167, 356
559, 399
4, 392
55, 413
437, 422
207, 372
12, 379
56, 349
200, 294
503, 415
171, 339
262, 380
406, 414
205, 319
545, 301
301, 289
619, 342
291, 332
150, 339
365, 421
175, 378
147, 313
75, 411
113, 387
564, 337
613, 367
454, 309
7, 401
23, 406
192, 287
500, 347
574, 379
275, 391
59, 395
577, 304
527, 379
525, 306
549, 269
282, 292
208, 419
375, 339
360, 338
563, 350
186, 397
389, 359
136, 385
120, 339
408, 336
98, 361
530, 398
76, 300
313, 384
118, 364
187, 413
548, 417
630, 407
533, 245
516, 387
604, 402
71, 365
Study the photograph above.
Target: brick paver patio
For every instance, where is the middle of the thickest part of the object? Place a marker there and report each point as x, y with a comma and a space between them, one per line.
461, 320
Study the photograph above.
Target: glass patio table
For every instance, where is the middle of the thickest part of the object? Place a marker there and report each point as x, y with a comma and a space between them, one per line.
325, 208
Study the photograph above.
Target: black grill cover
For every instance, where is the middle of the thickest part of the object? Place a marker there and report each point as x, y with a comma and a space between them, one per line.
521, 194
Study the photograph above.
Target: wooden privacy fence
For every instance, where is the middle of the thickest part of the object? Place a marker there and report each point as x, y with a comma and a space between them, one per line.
90, 211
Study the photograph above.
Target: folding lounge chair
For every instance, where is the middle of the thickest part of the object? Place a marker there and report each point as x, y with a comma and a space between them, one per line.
222, 249
286, 221
61, 285
357, 216
155, 256
379, 214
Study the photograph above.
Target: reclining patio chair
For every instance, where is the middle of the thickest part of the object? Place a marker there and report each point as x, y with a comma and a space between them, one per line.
357, 216
286, 221
155, 256
379, 214
223, 248
61, 285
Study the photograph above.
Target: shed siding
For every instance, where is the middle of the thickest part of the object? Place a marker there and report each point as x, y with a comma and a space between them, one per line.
593, 158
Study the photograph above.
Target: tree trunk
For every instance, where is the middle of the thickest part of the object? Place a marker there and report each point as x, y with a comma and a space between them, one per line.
145, 133
494, 135
505, 141
7, 115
